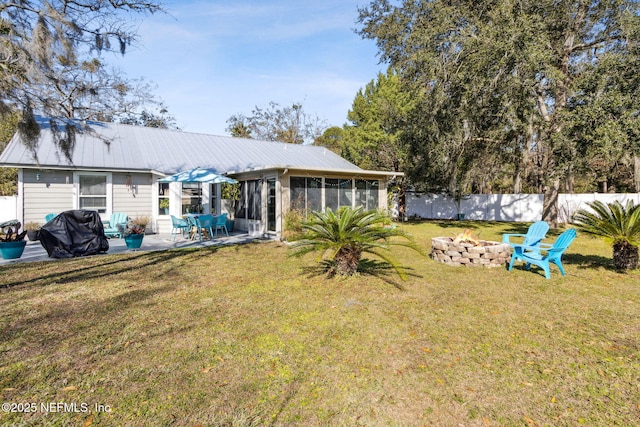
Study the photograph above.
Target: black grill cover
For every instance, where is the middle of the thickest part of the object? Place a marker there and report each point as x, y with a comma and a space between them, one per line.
73, 234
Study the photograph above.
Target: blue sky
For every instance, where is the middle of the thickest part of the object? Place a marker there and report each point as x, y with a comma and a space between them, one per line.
213, 59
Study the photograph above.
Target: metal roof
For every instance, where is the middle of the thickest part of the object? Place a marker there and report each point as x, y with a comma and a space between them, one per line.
111, 146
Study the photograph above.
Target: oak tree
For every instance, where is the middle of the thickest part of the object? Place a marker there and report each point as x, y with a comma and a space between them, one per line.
503, 82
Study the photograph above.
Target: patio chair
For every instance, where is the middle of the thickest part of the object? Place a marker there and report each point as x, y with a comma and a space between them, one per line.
204, 223
179, 225
48, 217
533, 254
220, 223
116, 224
536, 232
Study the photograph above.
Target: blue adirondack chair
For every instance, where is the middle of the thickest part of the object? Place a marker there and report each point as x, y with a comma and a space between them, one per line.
116, 224
48, 217
220, 223
534, 254
179, 225
536, 232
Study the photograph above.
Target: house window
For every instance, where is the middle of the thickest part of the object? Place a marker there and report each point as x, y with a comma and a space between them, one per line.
241, 206
214, 195
191, 198
163, 198
306, 194
254, 200
250, 204
367, 194
92, 193
338, 193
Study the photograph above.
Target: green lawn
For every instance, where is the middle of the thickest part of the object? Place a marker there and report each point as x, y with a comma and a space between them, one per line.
243, 336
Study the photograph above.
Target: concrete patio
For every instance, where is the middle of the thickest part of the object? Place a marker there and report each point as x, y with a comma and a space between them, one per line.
152, 242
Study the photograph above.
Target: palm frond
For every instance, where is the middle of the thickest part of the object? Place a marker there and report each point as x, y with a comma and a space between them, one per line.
613, 221
351, 232
618, 224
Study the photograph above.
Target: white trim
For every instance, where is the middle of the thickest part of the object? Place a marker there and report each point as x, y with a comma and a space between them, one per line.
175, 199
205, 195
265, 204
155, 202
218, 206
20, 201
76, 190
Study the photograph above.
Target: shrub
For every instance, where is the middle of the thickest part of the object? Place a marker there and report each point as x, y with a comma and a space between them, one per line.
619, 224
293, 225
344, 236
32, 226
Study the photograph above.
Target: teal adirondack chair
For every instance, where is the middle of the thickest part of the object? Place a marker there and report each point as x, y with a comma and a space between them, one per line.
116, 219
536, 232
48, 217
534, 254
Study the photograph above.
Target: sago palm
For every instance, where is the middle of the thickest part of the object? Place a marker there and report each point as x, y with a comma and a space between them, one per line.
342, 237
619, 224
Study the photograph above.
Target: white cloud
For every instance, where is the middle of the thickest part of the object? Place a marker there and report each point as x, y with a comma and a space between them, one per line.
214, 59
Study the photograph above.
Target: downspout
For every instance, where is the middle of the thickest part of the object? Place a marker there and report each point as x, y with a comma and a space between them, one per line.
20, 196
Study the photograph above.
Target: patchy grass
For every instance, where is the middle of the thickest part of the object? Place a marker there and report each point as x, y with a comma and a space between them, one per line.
245, 336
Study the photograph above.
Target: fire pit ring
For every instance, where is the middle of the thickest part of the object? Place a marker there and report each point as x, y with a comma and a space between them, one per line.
486, 254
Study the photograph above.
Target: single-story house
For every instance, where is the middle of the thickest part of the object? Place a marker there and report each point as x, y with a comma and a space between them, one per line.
116, 168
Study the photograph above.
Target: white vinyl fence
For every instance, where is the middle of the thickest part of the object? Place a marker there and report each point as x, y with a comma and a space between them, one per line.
481, 207
8, 208
503, 207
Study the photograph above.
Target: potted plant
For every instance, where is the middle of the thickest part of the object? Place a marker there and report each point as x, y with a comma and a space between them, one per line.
12, 242
33, 229
230, 197
134, 232
230, 223
164, 206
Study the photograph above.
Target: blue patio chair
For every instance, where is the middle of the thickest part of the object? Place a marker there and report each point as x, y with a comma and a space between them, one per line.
191, 220
220, 223
179, 225
116, 224
536, 232
204, 223
48, 217
533, 254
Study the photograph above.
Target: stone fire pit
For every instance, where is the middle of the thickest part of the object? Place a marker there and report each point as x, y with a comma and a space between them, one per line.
484, 254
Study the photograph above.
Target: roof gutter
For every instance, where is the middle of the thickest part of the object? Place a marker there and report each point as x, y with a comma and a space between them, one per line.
76, 168
290, 169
